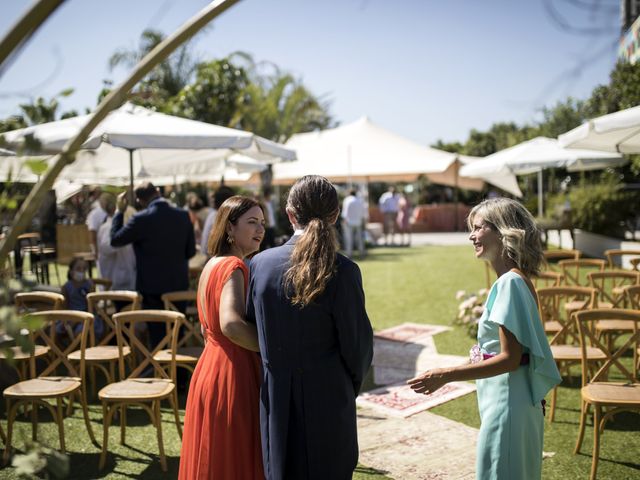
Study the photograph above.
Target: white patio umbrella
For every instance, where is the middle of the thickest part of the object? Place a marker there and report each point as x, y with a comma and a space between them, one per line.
134, 140
537, 154
615, 132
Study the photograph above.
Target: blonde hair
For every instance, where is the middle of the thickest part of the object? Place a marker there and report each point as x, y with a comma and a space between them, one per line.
518, 230
313, 202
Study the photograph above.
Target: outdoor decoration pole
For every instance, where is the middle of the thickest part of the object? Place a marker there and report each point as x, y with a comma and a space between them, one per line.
113, 100
456, 192
540, 212
24, 28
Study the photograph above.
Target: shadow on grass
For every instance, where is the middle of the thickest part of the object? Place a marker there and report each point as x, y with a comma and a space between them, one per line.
365, 471
86, 466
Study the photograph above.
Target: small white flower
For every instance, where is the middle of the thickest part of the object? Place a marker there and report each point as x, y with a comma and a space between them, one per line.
460, 294
478, 310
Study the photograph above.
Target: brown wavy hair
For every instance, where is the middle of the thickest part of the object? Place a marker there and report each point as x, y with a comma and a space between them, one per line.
229, 212
313, 202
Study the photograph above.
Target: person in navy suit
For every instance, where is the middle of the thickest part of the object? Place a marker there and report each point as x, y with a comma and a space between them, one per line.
316, 342
163, 242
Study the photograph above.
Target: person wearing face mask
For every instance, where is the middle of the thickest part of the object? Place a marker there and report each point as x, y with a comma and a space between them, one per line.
75, 292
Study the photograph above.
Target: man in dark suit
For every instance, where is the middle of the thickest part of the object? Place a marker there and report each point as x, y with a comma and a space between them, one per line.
163, 242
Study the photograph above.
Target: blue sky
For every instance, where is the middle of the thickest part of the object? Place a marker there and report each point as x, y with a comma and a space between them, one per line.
426, 69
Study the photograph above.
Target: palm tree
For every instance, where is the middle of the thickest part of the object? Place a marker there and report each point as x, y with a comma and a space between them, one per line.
166, 80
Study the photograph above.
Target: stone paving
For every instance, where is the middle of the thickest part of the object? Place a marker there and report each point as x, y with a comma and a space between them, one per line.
423, 445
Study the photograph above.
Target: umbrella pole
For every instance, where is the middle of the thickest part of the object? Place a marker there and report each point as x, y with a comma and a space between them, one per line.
540, 199
131, 177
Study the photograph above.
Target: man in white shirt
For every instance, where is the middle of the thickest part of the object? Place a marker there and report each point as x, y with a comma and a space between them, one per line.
388, 203
96, 216
117, 264
353, 218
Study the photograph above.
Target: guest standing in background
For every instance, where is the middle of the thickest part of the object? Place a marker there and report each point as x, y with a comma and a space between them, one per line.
163, 242
353, 219
316, 342
117, 264
388, 203
403, 219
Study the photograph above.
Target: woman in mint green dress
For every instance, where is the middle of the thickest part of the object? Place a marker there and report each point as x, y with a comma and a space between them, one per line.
512, 361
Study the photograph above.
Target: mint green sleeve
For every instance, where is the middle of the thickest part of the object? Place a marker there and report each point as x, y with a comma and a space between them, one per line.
516, 310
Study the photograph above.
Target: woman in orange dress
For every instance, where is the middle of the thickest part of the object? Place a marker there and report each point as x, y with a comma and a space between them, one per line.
221, 438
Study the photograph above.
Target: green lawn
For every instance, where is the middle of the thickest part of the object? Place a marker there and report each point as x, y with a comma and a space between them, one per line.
401, 285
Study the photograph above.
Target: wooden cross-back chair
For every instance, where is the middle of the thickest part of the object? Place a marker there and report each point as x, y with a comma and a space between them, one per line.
610, 287
633, 298
575, 271
606, 397
552, 257
615, 257
50, 383
137, 388
635, 264
565, 346
191, 343
547, 278
29, 302
103, 353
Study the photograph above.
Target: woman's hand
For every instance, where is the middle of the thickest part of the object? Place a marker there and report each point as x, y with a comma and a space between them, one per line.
428, 382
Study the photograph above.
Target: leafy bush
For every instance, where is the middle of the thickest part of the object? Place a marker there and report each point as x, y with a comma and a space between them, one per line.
604, 207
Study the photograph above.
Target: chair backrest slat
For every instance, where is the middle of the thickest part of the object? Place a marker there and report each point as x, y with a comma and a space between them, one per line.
126, 333
609, 285
588, 337
188, 298
575, 271
553, 301
75, 326
103, 305
615, 256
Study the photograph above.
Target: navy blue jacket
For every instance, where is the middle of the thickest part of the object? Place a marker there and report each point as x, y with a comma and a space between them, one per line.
314, 360
163, 242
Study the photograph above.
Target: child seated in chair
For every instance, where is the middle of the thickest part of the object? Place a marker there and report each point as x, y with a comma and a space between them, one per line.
75, 292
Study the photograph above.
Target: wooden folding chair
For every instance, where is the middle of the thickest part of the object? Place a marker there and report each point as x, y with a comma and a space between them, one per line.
557, 320
50, 384
575, 271
133, 389
547, 278
607, 398
635, 264
554, 256
29, 302
615, 257
102, 352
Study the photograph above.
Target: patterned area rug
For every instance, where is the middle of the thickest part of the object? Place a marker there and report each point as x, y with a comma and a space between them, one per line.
411, 332
400, 401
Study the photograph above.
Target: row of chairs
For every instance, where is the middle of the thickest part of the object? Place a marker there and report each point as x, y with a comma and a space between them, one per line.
151, 373
595, 334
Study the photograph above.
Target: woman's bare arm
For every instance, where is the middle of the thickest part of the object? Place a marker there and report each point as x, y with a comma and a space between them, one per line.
232, 314
507, 360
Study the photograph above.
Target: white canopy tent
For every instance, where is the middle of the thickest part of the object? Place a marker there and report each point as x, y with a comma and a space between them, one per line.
537, 154
135, 142
615, 132
364, 151
359, 150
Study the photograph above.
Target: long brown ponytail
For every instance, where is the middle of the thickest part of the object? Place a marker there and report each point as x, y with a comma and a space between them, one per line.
313, 202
